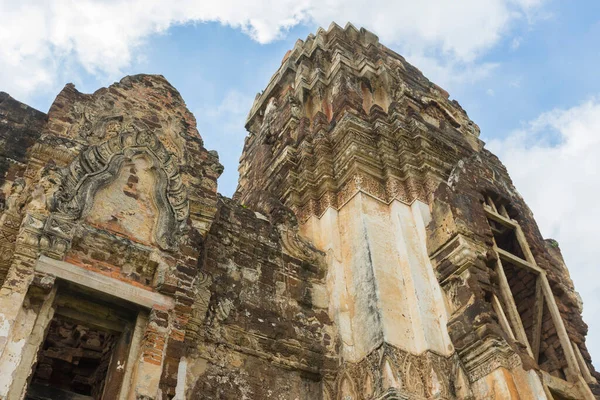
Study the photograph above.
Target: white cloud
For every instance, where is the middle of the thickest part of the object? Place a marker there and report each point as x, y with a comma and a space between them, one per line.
38, 37
234, 105
450, 72
515, 83
555, 164
516, 43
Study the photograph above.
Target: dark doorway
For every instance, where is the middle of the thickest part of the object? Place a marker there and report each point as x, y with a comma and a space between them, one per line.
85, 348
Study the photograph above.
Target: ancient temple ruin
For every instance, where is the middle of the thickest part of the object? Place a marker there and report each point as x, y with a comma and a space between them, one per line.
374, 248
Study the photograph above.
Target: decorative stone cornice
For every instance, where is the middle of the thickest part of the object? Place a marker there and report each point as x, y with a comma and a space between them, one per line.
487, 356
389, 372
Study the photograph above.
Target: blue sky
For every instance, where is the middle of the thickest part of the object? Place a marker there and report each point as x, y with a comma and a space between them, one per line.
544, 60
526, 71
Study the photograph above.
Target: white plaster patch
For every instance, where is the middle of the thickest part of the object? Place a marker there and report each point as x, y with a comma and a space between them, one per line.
319, 296
4, 326
261, 216
250, 274
181, 375
10, 362
233, 270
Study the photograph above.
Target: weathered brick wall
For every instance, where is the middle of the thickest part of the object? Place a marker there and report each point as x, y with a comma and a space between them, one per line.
267, 333
20, 128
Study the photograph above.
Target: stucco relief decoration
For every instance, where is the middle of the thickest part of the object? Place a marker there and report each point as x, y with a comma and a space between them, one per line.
92, 127
268, 120
42, 197
394, 372
10, 218
97, 166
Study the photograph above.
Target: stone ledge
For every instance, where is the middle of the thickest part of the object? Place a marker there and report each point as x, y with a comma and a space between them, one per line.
104, 284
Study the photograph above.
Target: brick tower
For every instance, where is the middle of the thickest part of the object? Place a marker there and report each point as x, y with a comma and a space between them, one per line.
440, 284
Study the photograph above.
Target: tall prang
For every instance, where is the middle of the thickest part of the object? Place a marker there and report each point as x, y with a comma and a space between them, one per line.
440, 284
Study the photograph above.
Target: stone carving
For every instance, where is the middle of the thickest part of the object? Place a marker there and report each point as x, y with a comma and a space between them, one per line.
439, 112
489, 356
267, 129
295, 108
10, 220
89, 143
43, 194
389, 370
201, 305
221, 310
87, 119
93, 126
295, 245
98, 165
15, 199
399, 91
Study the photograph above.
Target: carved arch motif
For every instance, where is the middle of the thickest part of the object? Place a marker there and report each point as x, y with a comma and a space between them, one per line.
98, 166
390, 378
369, 385
412, 371
437, 110
347, 388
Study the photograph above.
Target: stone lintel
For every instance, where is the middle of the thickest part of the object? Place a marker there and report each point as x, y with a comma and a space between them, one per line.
104, 284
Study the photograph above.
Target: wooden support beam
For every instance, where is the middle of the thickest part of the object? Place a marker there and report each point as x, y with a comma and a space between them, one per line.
498, 231
93, 321
585, 371
502, 317
565, 342
547, 391
131, 367
518, 261
503, 212
575, 374
116, 368
584, 389
491, 214
513, 313
112, 318
524, 245
576, 390
491, 203
538, 313
564, 389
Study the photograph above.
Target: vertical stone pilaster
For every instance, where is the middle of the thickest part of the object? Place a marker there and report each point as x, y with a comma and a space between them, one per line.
28, 334
152, 355
19, 278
